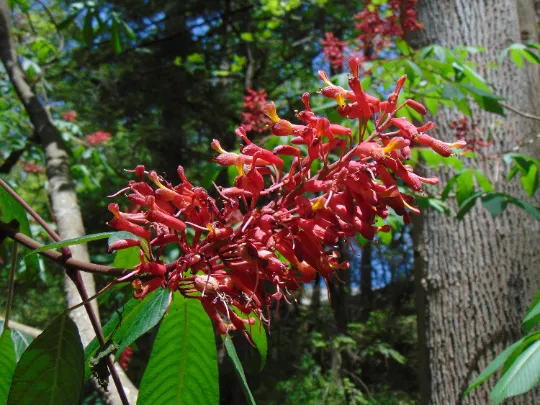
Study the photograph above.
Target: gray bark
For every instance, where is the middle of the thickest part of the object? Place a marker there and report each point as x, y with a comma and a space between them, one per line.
476, 277
61, 190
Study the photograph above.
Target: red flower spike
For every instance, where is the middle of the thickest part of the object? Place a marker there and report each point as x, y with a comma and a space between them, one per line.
278, 225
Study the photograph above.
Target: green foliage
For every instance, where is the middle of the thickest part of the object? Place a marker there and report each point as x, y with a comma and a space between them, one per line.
533, 314
8, 362
71, 242
518, 52
10, 210
231, 351
519, 362
137, 318
183, 363
51, 370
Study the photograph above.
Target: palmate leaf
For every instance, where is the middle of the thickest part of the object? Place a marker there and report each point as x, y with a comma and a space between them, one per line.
8, 362
183, 365
51, 370
138, 317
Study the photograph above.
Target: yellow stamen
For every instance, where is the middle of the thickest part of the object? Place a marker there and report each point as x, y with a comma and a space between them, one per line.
340, 100
240, 168
319, 204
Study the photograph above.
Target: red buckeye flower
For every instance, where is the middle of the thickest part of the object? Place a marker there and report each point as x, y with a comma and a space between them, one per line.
256, 242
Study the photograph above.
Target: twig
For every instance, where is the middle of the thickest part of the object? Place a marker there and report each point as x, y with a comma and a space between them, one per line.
75, 276
518, 112
11, 283
58, 257
28, 330
12, 159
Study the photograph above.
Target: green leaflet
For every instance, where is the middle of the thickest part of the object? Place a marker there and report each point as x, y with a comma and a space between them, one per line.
183, 365
51, 370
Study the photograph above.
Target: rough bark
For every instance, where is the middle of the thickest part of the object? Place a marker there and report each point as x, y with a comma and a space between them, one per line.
476, 277
61, 190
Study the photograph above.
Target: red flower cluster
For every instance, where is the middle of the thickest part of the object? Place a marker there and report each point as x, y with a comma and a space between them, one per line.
253, 117
333, 50
34, 168
98, 137
281, 221
69, 116
380, 27
469, 132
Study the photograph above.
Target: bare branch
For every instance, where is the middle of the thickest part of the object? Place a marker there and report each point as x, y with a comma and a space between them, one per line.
70, 263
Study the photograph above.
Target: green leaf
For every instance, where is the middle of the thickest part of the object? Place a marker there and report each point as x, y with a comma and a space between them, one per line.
8, 362
231, 351
246, 36
516, 57
464, 186
432, 105
51, 370
449, 186
20, 341
10, 209
115, 36
495, 203
432, 158
405, 50
68, 21
258, 335
413, 70
127, 258
129, 32
138, 317
496, 364
70, 242
533, 314
529, 180
522, 376
468, 204
483, 181
183, 366
451, 92
535, 212
531, 56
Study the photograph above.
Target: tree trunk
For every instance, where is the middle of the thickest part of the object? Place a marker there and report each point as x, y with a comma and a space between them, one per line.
366, 281
61, 191
475, 277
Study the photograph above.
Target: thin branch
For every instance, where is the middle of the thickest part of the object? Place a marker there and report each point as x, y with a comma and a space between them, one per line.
70, 263
12, 160
11, 283
518, 112
28, 330
75, 276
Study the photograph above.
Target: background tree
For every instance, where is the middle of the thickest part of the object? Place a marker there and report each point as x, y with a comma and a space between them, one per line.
476, 277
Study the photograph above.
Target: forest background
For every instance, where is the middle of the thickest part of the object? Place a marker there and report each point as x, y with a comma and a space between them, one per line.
424, 308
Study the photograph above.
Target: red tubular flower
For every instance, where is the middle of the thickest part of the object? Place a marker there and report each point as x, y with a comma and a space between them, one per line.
277, 227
